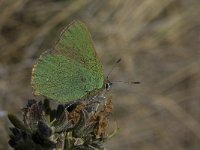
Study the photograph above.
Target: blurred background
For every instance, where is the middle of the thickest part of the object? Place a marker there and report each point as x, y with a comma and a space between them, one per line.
158, 41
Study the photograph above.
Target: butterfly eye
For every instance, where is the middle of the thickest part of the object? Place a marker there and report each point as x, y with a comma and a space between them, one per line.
108, 85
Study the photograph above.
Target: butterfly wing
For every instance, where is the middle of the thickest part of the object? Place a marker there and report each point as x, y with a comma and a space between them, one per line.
71, 69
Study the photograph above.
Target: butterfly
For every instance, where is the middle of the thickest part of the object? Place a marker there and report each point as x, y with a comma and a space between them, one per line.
71, 70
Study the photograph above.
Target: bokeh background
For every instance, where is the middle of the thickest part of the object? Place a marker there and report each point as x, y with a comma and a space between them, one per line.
158, 41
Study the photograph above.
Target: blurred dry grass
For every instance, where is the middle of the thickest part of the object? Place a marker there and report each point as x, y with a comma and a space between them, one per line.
159, 42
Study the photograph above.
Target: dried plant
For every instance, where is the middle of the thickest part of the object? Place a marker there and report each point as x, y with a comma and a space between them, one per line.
81, 125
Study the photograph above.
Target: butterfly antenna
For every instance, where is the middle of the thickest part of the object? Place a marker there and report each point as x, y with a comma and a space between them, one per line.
115, 64
127, 82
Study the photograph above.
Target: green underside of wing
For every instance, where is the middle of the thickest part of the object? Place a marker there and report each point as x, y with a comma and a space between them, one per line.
76, 42
64, 79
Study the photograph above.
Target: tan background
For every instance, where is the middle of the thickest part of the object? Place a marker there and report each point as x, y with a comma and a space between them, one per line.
158, 41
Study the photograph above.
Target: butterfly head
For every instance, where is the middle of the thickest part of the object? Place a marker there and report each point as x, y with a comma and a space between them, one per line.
107, 85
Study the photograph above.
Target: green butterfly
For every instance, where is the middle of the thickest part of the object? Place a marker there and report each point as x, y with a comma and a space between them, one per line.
71, 70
